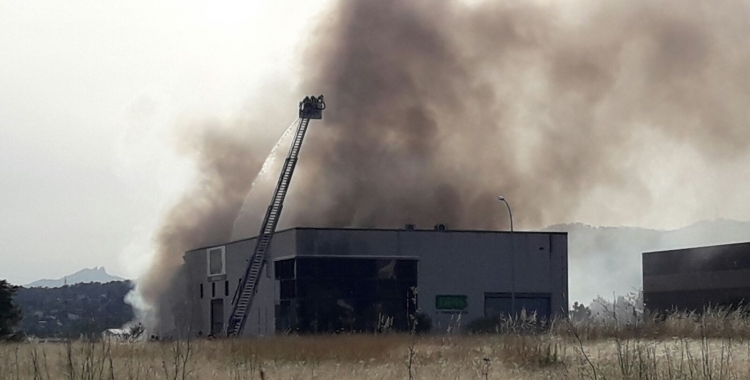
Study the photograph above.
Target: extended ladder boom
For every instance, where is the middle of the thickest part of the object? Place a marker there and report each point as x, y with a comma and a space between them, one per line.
310, 108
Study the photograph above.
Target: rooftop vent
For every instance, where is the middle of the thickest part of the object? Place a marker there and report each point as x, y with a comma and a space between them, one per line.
441, 227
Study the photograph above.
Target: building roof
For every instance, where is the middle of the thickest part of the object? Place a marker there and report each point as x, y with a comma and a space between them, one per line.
385, 230
733, 247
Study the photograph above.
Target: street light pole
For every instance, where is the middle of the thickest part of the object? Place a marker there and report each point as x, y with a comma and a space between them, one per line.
510, 213
512, 258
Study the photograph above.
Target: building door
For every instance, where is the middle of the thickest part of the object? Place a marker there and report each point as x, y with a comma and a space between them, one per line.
217, 316
503, 304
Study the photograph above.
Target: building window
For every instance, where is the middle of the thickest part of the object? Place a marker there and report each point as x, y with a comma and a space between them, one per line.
213, 289
287, 289
201, 290
216, 258
321, 294
226, 288
284, 269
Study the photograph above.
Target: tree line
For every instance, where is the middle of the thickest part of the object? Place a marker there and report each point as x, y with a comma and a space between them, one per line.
68, 311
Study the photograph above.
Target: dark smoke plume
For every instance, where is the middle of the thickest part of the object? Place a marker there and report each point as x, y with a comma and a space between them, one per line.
436, 107
204, 215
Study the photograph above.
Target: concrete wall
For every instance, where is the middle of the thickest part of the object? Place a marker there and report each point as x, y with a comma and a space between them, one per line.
194, 316
469, 263
261, 316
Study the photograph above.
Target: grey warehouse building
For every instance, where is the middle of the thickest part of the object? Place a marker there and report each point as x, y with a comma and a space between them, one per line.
693, 279
325, 279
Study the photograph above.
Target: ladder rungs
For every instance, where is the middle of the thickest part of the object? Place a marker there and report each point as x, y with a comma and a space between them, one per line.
250, 281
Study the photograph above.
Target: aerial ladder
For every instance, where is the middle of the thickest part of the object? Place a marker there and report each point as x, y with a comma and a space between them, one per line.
311, 108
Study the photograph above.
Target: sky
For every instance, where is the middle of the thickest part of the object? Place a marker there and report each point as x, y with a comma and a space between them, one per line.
90, 92
93, 92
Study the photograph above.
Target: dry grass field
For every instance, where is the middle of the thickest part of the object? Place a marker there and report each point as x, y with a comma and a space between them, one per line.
715, 346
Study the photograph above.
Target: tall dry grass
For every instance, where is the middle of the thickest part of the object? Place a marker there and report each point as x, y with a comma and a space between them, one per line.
711, 346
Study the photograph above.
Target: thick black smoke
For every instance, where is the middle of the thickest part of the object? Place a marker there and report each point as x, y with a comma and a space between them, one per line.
204, 215
435, 108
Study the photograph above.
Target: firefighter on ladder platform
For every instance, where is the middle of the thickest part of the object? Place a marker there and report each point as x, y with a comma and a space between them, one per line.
312, 107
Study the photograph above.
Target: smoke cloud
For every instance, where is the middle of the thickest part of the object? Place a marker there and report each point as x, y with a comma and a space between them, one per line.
225, 165
436, 107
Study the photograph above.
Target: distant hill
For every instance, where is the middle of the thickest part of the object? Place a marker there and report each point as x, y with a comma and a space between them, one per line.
607, 260
72, 310
83, 276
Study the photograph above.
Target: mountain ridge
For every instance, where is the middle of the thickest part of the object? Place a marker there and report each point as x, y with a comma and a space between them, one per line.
85, 275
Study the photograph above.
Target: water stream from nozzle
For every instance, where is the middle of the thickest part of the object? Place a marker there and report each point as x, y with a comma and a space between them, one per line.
272, 156
261, 173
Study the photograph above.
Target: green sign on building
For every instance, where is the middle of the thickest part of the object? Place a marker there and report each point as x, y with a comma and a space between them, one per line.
450, 302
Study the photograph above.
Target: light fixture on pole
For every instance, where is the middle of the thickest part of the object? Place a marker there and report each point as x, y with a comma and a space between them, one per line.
510, 213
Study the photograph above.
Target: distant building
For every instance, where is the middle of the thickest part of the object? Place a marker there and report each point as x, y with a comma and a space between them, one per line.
693, 279
321, 279
116, 334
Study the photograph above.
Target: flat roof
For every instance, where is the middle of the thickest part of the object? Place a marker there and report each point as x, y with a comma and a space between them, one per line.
699, 248
386, 230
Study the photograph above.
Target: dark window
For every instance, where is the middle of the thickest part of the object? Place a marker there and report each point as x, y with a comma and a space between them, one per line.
226, 288
386, 269
216, 261
201, 290
213, 289
335, 268
406, 270
286, 289
387, 289
284, 269
306, 268
351, 294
